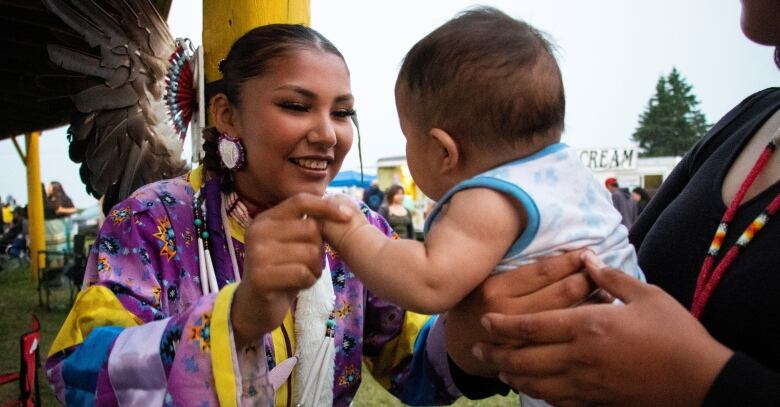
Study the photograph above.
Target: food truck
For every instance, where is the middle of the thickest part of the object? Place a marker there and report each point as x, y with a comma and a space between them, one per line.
624, 164
627, 167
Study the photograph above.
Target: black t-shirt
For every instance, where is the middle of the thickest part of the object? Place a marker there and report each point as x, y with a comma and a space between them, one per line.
672, 237
50, 206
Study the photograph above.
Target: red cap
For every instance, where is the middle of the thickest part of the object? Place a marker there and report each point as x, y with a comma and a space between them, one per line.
610, 182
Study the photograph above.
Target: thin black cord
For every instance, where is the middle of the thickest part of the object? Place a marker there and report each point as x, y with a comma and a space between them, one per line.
360, 148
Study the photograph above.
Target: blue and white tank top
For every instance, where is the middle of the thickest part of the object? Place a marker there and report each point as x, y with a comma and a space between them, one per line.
567, 209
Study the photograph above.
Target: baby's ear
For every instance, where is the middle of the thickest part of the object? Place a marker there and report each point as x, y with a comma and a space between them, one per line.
447, 150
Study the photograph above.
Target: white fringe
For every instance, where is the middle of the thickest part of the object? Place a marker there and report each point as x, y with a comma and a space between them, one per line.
315, 351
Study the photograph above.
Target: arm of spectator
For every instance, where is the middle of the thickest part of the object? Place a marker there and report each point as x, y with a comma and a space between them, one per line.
62, 211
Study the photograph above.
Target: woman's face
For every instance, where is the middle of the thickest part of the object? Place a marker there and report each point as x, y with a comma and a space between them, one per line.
636, 197
295, 123
49, 189
398, 198
761, 21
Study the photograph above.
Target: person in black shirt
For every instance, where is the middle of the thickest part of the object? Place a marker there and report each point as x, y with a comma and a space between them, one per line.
58, 201
641, 198
399, 218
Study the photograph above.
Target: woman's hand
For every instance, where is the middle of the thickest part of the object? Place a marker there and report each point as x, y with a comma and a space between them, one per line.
553, 283
335, 232
283, 255
650, 351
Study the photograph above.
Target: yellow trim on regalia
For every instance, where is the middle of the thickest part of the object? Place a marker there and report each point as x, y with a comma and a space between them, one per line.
94, 307
397, 350
221, 355
280, 354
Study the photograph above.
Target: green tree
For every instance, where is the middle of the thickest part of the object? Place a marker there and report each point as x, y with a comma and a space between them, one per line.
671, 123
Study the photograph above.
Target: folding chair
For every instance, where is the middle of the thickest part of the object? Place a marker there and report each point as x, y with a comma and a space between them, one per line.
52, 267
27, 376
75, 270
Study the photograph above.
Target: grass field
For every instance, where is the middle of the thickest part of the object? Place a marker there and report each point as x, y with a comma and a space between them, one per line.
19, 299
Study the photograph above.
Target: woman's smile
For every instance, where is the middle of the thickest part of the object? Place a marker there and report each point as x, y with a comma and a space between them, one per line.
312, 164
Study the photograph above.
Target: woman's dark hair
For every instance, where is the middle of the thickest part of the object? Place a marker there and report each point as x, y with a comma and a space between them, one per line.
392, 191
58, 196
249, 58
642, 193
777, 57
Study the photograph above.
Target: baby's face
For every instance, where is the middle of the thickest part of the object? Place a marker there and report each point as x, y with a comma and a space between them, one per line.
420, 154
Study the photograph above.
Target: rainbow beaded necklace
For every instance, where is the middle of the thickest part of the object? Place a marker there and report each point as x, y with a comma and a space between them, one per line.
711, 273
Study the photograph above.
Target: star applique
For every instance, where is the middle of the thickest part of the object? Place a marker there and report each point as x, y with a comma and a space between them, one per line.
344, 310
331, 251
166, 236
120, 215
350, 376
201, 332
103, 265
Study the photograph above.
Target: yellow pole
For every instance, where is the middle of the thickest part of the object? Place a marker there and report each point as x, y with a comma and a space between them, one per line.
34, 202
227, 20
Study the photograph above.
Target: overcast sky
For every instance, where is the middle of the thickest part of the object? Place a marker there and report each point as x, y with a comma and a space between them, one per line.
611, 54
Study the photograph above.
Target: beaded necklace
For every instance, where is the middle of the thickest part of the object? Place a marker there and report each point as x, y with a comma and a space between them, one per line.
208, 278
712, 273
237, 210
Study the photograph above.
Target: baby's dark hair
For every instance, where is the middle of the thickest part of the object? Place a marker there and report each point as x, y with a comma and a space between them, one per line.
487, 78
249, 58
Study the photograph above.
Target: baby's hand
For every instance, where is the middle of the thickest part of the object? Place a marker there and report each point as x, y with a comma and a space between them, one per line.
334, 232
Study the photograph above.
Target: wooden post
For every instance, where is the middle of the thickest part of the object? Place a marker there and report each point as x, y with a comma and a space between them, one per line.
19, 151
34, 202
227, 20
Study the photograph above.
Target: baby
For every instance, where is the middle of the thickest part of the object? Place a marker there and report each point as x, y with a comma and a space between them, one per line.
481, 104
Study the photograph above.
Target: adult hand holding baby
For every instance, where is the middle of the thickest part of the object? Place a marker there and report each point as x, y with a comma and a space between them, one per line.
553, 283
606, 353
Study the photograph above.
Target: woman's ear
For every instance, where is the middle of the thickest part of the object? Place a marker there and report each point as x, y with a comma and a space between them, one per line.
446, 150
224, 115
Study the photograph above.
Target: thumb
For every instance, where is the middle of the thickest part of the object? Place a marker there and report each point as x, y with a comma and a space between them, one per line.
621, 285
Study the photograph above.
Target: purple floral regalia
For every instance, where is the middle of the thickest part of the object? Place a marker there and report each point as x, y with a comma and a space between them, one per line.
142, 333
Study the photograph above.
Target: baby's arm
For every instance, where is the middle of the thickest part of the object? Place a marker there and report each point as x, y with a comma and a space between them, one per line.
469, 238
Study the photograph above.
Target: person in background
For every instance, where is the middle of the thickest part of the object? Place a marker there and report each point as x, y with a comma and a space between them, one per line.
373, 196
621, 200
13, 240
396, 213
8, 217
59, 200
640, 198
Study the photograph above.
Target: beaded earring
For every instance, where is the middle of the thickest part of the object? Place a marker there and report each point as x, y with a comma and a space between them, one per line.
231, 152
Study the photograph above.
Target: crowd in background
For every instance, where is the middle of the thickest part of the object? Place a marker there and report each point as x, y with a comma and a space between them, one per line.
392, 204
57, 208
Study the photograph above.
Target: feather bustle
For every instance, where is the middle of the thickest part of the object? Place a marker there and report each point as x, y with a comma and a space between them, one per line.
121, 136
